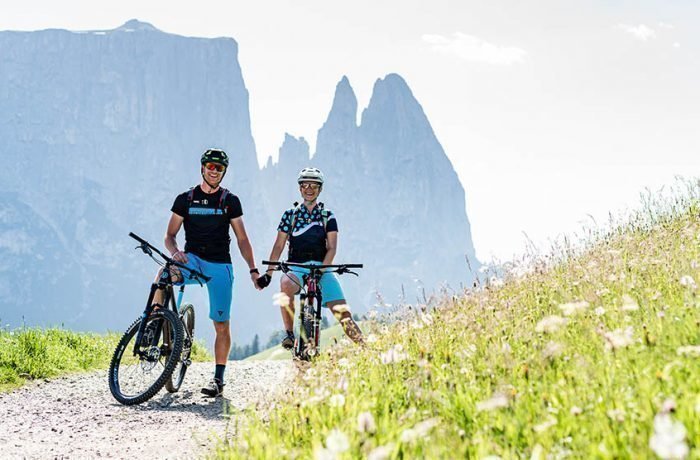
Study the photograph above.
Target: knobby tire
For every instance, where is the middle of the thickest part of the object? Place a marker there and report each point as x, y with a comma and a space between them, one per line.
126, 346
178, 376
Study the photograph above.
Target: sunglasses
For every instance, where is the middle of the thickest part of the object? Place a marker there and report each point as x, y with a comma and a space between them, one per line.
215, 166
306, 185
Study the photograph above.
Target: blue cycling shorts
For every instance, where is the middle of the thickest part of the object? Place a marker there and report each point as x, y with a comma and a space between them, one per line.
330, 286
220, 286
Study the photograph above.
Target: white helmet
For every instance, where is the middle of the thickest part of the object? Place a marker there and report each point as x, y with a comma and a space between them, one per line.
310, 175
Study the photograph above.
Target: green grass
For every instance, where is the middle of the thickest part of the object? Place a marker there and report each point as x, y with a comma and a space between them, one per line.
509, 370
32, 353
329, 336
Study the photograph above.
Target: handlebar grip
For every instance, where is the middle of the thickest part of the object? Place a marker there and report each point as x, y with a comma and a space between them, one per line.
137, 238
353, 265
269, 262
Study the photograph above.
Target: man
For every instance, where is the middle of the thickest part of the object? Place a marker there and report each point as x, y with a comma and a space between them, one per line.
312, 233
206, 212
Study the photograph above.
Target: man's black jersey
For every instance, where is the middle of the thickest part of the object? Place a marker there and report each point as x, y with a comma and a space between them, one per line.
206, 224
307, 240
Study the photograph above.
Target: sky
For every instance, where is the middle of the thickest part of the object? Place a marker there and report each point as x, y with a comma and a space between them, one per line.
554, 114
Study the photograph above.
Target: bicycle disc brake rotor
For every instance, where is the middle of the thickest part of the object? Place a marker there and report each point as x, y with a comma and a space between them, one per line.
152, 356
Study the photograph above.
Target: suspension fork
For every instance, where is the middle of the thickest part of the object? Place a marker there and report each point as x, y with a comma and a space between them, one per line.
149, 309
317, 312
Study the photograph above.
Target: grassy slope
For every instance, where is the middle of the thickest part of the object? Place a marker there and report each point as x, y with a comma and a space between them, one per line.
29, 353
328, 336
482, 374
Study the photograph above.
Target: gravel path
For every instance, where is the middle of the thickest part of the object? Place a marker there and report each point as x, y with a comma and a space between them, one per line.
77, 417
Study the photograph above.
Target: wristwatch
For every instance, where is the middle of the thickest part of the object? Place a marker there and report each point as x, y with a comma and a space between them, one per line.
254, 270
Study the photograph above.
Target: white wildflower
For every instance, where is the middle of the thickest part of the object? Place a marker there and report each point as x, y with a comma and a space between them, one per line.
337, 441
337, 400
371, 338
616, 415
669, 405
394, 354
505, 348
497, 401
372, 314
544, 426
600, 311
619, 338
343, 362
575, 410
409, 435
537, 452
408, 414
281, 299
688, 281
571, 308
381, 452
629, 304
495, 282
423, 428
416, 325
343, 384
552, 350
321, 453
550, 324
365, 423
689, 350
668, 440
427, 318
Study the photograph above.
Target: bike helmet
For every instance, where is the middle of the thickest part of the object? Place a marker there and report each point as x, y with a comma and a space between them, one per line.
310, 175
215, 156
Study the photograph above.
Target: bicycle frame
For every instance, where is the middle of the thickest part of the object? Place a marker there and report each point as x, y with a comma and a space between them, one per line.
311, 281
310, 288
164, 282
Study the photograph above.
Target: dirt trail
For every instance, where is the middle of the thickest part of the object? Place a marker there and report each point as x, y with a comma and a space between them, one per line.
77, 417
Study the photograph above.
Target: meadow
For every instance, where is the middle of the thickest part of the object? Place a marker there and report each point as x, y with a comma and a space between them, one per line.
589, 351
28, 354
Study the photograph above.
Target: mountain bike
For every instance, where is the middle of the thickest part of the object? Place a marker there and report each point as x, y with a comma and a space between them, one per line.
155, 350
306, 345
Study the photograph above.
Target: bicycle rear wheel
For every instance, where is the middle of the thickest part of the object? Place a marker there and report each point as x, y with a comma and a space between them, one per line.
134, 379
305, 348
178, 376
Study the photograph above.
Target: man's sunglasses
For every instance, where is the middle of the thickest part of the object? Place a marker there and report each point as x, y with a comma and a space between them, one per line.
213, 166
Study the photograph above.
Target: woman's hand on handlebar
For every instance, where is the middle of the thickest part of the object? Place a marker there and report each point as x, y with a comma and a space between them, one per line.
180, 256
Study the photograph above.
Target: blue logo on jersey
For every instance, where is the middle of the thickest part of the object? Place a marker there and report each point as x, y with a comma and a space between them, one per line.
206, 211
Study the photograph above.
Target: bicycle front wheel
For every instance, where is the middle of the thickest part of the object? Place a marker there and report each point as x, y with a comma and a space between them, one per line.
178, 376
305, 348
136, 378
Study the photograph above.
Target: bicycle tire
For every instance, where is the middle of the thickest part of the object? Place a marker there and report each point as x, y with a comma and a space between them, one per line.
172, 322
306, 328
178, 376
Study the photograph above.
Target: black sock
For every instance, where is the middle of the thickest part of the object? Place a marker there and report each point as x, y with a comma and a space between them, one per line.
219, 373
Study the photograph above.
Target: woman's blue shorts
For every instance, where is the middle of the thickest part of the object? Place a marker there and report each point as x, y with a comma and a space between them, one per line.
330, 286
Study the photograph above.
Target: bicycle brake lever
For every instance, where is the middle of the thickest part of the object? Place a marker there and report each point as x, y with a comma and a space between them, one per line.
145, 249
351, 272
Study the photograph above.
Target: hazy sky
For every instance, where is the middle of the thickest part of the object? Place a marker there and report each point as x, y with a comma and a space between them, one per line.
550, 111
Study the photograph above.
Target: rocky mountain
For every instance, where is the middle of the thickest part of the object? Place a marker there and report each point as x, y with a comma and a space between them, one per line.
100, 130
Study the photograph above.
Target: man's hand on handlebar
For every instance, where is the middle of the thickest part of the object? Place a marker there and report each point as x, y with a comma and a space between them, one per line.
181, 257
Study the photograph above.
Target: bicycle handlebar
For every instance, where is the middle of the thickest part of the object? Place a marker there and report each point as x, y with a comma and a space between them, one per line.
310, 266
146, 245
